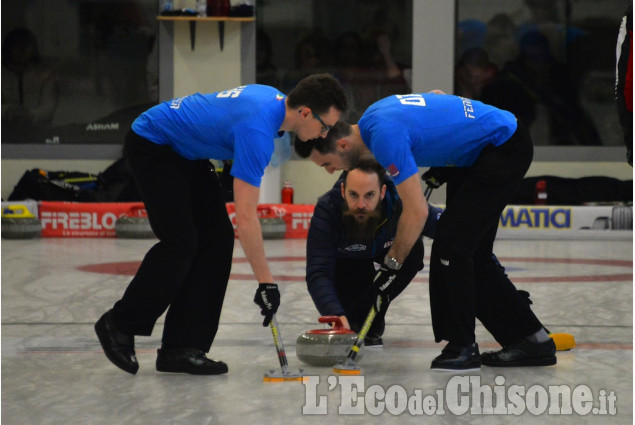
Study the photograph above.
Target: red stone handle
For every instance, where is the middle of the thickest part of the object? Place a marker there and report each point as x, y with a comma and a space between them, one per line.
337, 322
137, 211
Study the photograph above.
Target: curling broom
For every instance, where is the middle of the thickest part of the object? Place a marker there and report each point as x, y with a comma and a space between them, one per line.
284, 374
349, 367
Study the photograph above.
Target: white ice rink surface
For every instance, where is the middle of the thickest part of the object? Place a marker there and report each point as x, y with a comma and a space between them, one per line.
54, 371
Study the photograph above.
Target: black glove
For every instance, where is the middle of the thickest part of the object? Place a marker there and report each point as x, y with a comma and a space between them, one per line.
383, 285
268, 299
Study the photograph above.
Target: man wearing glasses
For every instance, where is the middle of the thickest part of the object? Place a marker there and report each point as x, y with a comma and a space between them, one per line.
186, 272
325, 128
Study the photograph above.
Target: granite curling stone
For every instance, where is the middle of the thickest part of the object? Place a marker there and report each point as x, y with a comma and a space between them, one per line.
326, 347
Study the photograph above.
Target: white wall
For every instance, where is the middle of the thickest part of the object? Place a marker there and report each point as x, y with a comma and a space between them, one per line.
309, 181
433, 46
206, 69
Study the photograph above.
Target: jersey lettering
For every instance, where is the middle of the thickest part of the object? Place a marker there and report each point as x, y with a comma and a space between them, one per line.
231, 93
468, 109
176, 103
411, 99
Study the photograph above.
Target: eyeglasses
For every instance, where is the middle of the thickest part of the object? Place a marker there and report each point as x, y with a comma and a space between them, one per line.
325, 128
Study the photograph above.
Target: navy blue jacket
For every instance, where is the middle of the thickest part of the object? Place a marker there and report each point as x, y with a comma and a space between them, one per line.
328, 241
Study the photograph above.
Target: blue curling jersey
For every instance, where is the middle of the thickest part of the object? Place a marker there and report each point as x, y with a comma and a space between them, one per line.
405, 132
238, 124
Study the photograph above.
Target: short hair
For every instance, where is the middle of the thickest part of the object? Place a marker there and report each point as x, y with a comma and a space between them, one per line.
319, 92
368, 164
324, 145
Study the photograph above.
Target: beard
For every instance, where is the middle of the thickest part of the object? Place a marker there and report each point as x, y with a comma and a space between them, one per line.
362, 230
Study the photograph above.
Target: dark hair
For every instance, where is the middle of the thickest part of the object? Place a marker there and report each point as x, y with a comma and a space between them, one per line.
303, 149
324, 145
368, 164
319, 92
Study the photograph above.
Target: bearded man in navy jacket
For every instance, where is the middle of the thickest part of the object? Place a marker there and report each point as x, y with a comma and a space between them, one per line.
353, 227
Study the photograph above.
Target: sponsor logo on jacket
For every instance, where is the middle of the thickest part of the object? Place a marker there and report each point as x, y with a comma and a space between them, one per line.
355, 248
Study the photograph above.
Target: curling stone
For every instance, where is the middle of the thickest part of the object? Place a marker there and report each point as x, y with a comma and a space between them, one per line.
134, 225
273, 228
19, 223
326, 347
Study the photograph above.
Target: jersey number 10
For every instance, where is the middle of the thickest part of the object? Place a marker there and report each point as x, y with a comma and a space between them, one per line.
411, 99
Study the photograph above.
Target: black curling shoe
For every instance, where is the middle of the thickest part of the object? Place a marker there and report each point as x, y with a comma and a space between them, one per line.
188, 360
118, 347
523, 353
457, 358
373, 342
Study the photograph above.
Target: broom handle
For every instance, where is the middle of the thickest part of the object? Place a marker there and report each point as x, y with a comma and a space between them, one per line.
362, 333
277, 341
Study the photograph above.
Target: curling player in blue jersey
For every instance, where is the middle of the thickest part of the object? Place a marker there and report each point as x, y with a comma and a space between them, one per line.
186, 272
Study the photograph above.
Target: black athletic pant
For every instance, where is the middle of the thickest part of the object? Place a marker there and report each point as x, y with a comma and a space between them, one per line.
465, 280
188, 269
353, 283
